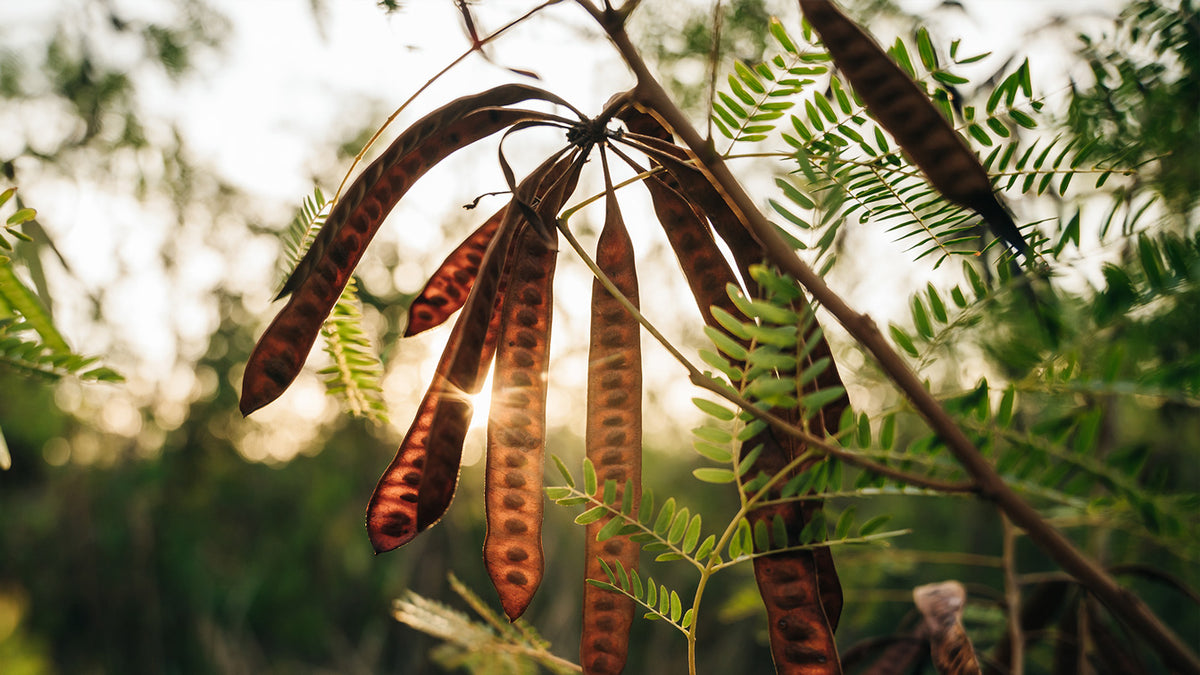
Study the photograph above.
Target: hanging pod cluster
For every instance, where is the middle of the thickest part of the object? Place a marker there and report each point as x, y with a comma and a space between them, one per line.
499, 281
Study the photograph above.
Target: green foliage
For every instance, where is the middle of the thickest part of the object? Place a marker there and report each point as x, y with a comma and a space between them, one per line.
355, 374
29, 341
676, 43
491, 647
1146, 71
850, 170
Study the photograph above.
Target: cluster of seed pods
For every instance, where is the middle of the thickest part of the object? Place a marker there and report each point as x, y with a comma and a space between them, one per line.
500, 281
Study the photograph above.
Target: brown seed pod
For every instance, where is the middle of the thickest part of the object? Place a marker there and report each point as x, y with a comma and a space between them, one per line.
516, 423
911, 118
801, 637
447, 288
613, 443
941, 606
325, 268
512, 550
800, 588
417, 487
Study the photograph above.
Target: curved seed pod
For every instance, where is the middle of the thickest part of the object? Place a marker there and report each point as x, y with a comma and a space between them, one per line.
417, 487
800, 588
912, 119
432, 137
439, 427
941, 605
512, 549
697, 189
613, 441
322, 273
447, 288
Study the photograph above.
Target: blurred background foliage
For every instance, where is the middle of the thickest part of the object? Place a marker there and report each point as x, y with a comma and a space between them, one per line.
146, 528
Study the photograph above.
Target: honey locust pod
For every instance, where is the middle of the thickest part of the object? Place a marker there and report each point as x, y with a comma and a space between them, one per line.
322, 273
800, 588
613, 441
902, 108
418, 485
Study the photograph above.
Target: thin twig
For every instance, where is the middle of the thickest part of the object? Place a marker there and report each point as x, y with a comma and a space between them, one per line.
1012, 598
714, 61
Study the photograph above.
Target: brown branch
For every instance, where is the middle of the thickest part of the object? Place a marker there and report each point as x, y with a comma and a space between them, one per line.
1012, 598
862, 328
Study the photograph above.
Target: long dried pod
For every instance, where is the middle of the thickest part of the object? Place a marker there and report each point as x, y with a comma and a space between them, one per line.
447, 288
790, 582
409, 496
325, 268
613, 443
702, 263
941, 606
417, 487
516, 434
516, 424
911, 118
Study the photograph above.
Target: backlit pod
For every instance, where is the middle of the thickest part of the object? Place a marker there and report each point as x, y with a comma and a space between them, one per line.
447, 288
902, 108
323, 272
613, 443
516, 434
791, 583
417, 487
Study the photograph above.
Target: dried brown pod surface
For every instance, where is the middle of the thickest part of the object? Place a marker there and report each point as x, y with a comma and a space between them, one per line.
704, 266
516, 435
416, 488
800, 588
911, 118
447, 288
801, 638
941, 606
323, 272
439, 427
801, 634
613, 443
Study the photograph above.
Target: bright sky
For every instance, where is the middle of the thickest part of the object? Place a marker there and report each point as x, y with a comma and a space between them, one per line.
282, 85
